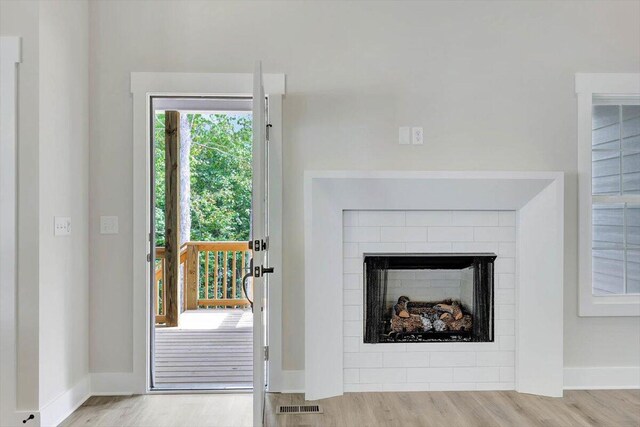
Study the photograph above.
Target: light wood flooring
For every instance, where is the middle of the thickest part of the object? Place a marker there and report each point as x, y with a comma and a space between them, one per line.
607, 408
165, 410
212, 349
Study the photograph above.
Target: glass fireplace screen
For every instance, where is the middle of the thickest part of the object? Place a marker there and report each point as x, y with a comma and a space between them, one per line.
428, 297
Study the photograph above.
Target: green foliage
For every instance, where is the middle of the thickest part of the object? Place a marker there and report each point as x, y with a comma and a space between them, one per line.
159, 175
221, 175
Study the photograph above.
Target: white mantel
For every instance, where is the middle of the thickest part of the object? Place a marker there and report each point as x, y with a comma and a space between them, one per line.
538, 199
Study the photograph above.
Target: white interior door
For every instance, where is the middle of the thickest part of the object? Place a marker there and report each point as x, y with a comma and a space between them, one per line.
259, 243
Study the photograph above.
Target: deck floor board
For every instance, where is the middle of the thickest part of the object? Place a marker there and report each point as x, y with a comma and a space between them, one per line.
210, 349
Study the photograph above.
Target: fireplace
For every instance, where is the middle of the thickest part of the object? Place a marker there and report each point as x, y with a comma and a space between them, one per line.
434, 213
428, 297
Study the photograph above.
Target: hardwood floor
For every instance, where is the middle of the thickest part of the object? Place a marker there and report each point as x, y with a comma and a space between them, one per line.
165, 410
607, 408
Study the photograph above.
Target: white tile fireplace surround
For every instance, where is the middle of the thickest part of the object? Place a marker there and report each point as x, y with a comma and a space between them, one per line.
429, 366
348, 213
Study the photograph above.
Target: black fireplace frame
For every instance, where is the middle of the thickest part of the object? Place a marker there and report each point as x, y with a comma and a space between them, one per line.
375, 269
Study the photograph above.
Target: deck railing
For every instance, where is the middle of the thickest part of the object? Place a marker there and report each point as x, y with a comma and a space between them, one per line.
210, 274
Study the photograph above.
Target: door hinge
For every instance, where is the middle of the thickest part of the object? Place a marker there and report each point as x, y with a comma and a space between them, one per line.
266, 352
148, 257
269, 126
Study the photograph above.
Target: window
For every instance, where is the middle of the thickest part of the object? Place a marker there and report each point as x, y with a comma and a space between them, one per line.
615, 188
609, 194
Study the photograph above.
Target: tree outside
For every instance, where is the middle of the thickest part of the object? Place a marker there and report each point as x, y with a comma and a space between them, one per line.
219, 178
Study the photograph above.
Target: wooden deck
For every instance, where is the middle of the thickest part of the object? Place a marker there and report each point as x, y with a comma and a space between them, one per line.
211, 349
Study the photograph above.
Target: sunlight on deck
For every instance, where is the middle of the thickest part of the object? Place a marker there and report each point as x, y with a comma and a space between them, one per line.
216, 319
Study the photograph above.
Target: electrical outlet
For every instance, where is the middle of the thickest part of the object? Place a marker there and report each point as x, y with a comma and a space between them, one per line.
404, 135
108, 225
417, 136
61, 226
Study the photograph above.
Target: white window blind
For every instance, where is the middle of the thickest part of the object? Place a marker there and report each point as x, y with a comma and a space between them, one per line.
616, 196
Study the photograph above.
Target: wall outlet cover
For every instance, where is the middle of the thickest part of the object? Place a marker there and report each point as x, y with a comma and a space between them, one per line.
404, 135
108, 225
61, 226
417, 136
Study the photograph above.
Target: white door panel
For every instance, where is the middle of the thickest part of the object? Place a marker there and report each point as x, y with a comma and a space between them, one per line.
259, 238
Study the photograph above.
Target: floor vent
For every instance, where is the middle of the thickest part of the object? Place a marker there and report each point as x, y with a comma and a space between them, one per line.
299, 409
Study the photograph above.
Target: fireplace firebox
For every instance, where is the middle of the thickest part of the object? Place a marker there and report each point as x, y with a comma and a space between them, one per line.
426, 297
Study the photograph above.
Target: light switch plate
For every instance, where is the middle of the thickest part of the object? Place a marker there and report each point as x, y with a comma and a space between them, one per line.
417, 136
61, 226
404, 135
108, 225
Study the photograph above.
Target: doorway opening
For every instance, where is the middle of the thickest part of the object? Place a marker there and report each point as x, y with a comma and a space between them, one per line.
202, 322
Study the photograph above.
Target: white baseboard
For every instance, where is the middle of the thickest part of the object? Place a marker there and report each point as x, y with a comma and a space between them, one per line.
112, 384
604, 378
54, 412
593, 378
292, 381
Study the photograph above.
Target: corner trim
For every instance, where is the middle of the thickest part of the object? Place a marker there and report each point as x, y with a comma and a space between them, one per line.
9, 57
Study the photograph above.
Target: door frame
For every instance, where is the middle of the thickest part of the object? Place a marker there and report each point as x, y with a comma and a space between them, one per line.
145, 85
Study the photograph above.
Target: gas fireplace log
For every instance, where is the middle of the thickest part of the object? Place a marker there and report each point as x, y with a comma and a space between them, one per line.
421, 316
446, 317
457, 310
412, 323
427, 311
400, 309
447, 308
463, 324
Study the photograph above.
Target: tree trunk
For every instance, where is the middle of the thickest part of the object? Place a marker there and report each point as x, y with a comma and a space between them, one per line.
185, 179
172, 222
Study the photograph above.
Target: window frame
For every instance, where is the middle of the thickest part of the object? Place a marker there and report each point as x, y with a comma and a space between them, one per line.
588, 85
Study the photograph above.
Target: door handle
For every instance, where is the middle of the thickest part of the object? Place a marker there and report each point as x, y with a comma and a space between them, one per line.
260, 271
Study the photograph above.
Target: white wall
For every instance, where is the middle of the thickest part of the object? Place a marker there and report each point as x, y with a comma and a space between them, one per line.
64, 183
490, 82
53, 180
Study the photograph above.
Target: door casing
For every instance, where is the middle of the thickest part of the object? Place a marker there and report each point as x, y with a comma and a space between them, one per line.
144, 86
